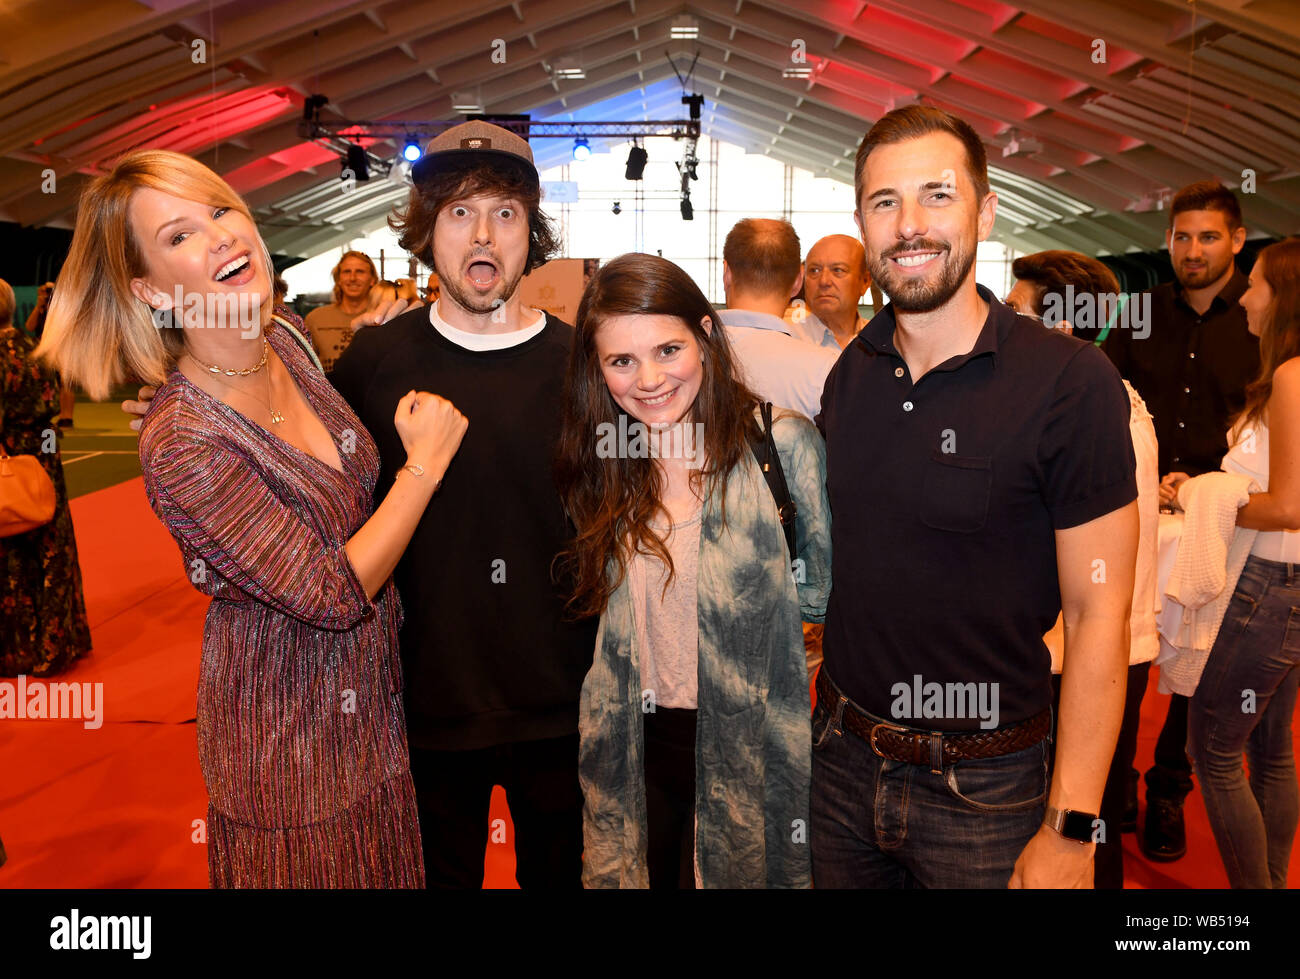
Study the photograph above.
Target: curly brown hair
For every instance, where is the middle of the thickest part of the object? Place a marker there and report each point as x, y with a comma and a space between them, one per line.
429, 196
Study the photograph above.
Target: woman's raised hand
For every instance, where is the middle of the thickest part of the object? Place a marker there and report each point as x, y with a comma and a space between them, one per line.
430, 428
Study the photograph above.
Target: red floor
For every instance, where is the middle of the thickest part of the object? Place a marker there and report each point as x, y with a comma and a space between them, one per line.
116, 806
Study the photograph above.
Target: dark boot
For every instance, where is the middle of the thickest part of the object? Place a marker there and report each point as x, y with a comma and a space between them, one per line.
1164, 837
1129, 824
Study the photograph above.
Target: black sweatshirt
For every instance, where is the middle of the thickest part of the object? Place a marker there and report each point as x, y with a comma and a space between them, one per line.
488, 656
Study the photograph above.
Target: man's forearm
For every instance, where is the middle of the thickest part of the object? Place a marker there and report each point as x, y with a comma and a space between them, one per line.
1093, 683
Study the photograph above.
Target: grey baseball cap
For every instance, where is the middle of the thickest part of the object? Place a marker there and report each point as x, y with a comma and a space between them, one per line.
475, 142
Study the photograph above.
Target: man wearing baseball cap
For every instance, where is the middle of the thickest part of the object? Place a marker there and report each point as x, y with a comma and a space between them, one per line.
493, 670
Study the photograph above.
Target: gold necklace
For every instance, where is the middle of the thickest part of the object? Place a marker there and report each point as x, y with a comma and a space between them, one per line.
276, 417
214, 369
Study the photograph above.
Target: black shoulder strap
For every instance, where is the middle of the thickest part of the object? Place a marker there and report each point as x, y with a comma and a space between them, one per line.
769, 461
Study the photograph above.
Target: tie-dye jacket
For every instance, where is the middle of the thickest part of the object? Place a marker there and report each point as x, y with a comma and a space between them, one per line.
753, 755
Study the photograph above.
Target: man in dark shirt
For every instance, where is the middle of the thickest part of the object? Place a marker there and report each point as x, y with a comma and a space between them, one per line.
981, 474
1192, 370
493, 670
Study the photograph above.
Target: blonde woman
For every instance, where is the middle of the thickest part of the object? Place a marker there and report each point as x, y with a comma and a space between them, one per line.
265, 478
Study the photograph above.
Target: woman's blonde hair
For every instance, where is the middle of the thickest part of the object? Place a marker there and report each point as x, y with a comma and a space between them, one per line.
7, 303
406, 289
98, 334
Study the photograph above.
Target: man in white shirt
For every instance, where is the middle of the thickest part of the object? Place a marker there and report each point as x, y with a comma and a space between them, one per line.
760, 272
835, 277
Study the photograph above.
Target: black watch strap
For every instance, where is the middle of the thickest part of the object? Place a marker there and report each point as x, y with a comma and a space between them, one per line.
1073, 824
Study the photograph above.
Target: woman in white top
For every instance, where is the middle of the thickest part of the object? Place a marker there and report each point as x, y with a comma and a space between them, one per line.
1247, 695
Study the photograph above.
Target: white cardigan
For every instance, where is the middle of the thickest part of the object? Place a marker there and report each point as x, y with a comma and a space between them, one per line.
1211, 554
1144, 641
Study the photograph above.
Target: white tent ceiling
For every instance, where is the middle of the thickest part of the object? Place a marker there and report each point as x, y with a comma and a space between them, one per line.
1185, 92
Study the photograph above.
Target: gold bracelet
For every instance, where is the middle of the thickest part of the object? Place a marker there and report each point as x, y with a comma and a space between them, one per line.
412, 467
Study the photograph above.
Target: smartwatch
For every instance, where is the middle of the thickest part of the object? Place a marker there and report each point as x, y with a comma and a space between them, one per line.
1072, 823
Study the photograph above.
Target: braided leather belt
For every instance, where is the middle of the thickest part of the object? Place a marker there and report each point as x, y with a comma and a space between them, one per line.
934, 748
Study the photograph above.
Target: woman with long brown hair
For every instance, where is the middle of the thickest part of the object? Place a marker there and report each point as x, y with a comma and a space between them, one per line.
695, 755
1246, 696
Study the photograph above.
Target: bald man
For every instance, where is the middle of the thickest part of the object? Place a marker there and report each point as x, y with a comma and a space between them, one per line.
835, 277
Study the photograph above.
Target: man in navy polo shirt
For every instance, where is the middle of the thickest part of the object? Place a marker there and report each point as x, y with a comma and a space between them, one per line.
981, 475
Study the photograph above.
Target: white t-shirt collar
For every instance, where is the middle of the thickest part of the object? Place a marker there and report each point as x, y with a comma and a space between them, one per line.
486, 341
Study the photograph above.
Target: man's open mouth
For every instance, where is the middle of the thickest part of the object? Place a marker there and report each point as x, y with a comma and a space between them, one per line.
483, 273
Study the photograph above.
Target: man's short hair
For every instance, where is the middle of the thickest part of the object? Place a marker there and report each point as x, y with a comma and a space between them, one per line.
763, 255
1052, 272
913, 122
1207, 195
430, 195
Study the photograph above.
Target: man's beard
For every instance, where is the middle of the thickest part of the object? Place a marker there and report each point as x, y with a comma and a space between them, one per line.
451, 288
911, 294
1198, 280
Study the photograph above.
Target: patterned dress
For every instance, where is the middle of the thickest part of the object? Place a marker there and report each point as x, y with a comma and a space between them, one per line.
301, 731
42, 610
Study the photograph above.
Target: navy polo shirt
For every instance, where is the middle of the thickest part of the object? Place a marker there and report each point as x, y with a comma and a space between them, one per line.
946, 492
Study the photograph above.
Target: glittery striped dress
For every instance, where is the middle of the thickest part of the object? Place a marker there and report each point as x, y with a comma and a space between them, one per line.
301, 732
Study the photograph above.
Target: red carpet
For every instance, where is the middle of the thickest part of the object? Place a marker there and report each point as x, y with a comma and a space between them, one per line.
115, 807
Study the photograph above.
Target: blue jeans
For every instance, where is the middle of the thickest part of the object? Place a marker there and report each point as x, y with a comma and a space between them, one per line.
883, 823
1257, 649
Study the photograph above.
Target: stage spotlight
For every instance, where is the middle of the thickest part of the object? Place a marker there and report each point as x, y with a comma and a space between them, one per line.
358, 163
581, 149
616, 208
411, 151
688, 212
636, 160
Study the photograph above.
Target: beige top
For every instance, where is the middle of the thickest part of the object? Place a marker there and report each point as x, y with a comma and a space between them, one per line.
667, 625
331, 332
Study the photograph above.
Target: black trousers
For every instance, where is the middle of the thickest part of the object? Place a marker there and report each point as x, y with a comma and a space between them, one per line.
1108, 861
1171, 775
670, 797
454, 788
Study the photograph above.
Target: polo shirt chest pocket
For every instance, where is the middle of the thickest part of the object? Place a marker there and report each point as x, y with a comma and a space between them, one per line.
955, 492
